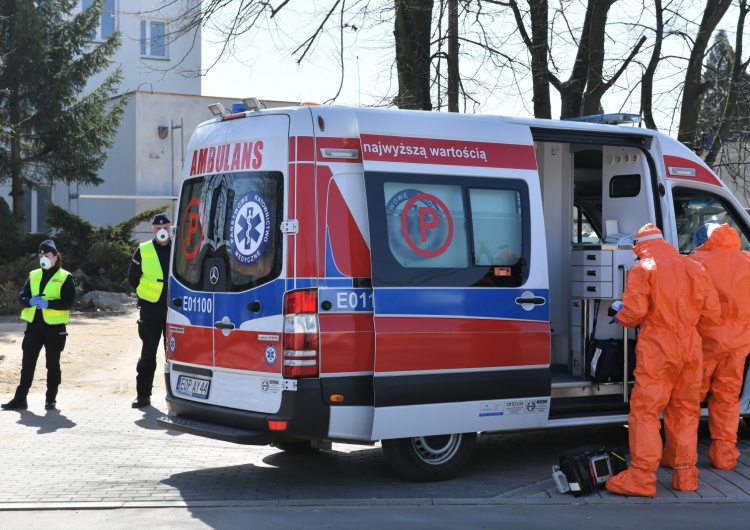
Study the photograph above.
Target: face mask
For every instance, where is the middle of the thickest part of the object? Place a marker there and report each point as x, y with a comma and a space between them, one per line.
44, 262
162, 235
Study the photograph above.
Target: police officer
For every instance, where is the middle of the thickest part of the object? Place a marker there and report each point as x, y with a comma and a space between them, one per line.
147, 275
46, 298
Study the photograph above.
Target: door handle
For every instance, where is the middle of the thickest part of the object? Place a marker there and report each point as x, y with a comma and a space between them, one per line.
536, 300
223, 325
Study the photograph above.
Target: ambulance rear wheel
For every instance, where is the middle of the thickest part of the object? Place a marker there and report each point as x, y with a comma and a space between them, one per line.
429, 458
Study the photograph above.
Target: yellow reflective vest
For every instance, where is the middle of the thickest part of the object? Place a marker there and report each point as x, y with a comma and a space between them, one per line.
152, 277
51, 292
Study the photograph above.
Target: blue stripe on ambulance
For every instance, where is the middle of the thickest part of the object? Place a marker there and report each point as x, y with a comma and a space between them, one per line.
199, 306
457, 302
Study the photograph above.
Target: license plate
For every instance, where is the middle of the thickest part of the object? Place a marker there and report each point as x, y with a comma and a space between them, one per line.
193, 387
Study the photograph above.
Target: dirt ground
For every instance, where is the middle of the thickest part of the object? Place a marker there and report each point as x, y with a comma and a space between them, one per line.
100, 354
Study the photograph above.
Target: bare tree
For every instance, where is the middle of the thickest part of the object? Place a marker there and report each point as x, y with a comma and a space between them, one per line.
582, 92
738, 70
694, 87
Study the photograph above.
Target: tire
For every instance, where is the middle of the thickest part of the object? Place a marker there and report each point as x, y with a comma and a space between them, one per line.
429, 458
296, 447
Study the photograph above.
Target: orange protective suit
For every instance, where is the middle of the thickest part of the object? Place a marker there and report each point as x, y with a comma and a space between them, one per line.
672, 298
726, 346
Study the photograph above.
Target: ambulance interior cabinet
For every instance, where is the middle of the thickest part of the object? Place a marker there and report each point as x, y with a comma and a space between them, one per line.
597, 272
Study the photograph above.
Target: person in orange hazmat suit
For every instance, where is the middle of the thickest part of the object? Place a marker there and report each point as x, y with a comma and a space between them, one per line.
726, 346
672, 298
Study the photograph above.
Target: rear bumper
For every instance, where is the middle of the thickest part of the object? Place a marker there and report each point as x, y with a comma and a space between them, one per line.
305, 413
214, 431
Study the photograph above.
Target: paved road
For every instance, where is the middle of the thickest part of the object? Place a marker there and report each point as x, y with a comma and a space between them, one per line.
98, 452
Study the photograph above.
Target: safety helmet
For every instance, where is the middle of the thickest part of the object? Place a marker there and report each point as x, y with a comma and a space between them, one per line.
647, 232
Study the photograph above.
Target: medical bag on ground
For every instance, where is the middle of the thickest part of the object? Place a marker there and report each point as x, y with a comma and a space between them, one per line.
586, 469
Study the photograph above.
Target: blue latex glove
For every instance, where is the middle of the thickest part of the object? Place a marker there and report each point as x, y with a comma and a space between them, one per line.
34, 300
39, 302
617, 305
614, 319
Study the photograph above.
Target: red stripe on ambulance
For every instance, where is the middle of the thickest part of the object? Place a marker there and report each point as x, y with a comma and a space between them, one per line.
194, 345
304, 199
243, 350
409, 344
350, 251
702, 174
412, 150
342, 334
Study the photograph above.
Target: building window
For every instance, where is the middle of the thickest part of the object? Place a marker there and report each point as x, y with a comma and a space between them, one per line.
36, 204
107, 21
153, 40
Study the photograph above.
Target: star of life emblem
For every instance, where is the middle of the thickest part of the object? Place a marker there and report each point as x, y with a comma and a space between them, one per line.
250, 228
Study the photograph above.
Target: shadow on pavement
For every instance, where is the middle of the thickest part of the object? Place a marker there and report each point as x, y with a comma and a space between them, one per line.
148, 421
51, 421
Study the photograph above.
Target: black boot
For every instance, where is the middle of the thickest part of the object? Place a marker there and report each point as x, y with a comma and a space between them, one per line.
15, 404
141, 401
50, 402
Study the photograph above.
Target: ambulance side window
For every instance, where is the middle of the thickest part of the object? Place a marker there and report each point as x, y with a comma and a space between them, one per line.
694, 208
426, 225
496, 226
452, 231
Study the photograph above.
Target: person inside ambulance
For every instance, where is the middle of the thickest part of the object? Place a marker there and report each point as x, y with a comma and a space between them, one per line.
672, 298
726, 346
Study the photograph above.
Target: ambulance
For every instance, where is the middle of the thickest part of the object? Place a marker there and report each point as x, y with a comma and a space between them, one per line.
360, 275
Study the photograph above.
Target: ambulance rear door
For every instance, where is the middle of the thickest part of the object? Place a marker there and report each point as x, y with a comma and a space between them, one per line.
461, 309
228, 263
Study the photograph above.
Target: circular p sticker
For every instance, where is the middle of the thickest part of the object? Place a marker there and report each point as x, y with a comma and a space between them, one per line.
250, 228
427, 225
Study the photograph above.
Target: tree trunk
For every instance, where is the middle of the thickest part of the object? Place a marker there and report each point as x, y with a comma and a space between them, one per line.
9, 10
647, 86
592, 98
412, 27
453, 71
571, 91
539, 58
694, 86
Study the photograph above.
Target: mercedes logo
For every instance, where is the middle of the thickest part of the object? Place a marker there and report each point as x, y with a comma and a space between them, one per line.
214, 275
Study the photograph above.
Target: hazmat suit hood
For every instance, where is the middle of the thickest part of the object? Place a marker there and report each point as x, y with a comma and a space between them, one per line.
720, 237
649, 241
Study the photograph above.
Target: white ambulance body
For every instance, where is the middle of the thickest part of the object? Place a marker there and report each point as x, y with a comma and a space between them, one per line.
361, 275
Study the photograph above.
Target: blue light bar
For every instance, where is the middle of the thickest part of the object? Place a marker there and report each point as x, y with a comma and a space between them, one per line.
609, 119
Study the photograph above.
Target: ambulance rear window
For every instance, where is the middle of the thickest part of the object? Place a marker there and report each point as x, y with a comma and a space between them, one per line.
228, 236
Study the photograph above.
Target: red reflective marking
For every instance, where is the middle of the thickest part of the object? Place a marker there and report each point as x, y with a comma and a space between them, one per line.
194, 345
425, 225
348, 246
701, 173
340, 335
322, 142
382, 148
242, 350
192, 217
416, 344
